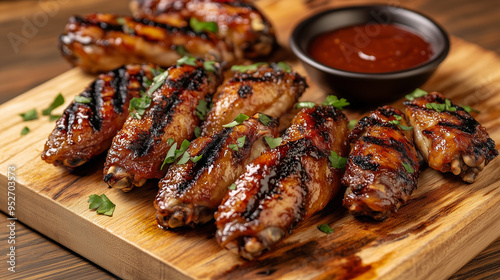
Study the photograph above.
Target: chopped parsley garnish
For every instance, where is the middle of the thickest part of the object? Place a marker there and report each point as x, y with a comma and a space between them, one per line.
181, 50
441, 107
170, 141
30, 115
25, 130
352, 124
416, 94
158, 80
244, 68
202, 26
239, 143
284, 66
408, 167
232, 187
197, 132
82, 99
188, 60
337, 161
102, 204
273, 142
332, 100
196, 158
58, 101
305, 104
397, 121
469, 109
325, 228
264, 119
146, 82
209, 66
126, 29
238, 120
202, 109
138, 106
174, 153
184, 159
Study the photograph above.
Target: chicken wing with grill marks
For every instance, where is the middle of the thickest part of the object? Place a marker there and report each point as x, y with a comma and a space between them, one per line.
138, 150
269, 90
85, 130
101, 42
284, 185
239, 23
383, 167
191, 192
448, 137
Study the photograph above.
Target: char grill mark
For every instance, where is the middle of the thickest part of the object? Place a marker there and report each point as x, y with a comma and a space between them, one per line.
119, 83
450, 141
382, 168
284, 185
245, 91
210, 154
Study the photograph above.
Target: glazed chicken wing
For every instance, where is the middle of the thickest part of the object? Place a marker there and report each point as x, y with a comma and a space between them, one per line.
101, 42
284, 185
191, 192
448, 137
269, 90
85, 130
138, 150
239, 23
383, 167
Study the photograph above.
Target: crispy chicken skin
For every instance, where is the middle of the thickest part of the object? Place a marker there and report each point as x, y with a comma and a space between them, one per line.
139, 148
382, 168
240, 24
191, 192
101, 42
284, 185
450, 140
269, 90
85, 130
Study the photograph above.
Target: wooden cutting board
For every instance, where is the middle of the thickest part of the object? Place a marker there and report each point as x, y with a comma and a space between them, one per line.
444, 225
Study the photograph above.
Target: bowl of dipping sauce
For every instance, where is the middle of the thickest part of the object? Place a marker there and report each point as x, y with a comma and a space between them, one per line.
370, 54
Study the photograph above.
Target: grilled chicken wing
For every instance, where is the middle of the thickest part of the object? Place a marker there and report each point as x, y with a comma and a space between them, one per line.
383, 167
448, 137
138, 150
85, 130
268, 89
284, 185
240, 24
100, 42
191, 192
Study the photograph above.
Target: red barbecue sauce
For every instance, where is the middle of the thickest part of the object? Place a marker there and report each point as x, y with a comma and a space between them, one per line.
371, 48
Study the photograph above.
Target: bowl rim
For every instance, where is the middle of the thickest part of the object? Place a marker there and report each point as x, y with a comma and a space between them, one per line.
426, 66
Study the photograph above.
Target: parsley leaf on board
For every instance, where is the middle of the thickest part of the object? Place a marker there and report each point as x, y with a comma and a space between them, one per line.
29, 115
25, 130
325, 228
102, 204
58, 101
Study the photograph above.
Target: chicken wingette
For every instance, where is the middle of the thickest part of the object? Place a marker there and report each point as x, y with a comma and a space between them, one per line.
238, 23
192, 190
140, 147
89, 123
284, 185
270, 89
382, 168
448, 137
101, 42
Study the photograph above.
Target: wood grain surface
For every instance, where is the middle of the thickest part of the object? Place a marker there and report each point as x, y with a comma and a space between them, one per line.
486, 265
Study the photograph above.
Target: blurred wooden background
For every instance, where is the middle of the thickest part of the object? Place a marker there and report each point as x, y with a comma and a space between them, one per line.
29, 56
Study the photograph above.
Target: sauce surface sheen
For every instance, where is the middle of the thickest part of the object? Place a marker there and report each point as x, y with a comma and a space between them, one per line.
371, 48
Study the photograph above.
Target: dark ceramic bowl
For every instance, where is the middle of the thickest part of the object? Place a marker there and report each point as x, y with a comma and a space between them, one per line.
369, 87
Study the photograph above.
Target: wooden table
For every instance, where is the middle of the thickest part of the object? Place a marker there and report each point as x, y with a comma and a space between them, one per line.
30, 57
